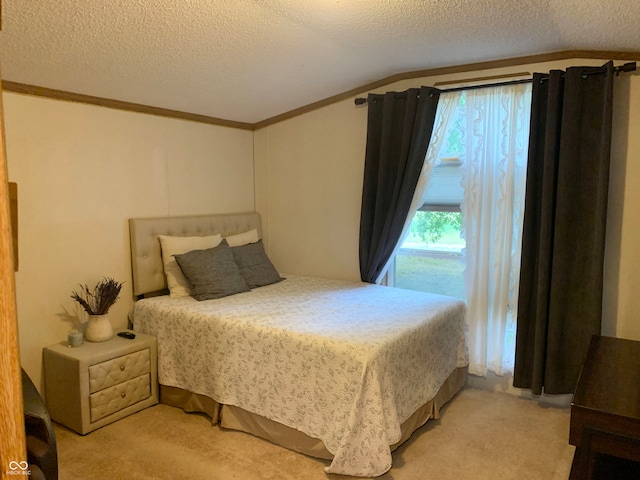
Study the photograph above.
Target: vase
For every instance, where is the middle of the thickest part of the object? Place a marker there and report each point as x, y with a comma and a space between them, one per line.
99, 329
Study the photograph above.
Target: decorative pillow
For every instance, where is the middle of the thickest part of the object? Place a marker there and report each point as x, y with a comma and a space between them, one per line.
212, 273
176, 281
243, 238
255, 266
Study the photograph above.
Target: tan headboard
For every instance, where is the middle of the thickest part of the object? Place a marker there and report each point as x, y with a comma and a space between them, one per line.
146, 256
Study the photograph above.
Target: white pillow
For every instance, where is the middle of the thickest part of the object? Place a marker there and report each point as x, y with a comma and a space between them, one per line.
176, 281
243, 238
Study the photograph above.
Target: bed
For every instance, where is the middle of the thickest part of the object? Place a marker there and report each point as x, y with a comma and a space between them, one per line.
339, 370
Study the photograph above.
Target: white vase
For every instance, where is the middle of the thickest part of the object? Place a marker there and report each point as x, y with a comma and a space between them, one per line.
99, 329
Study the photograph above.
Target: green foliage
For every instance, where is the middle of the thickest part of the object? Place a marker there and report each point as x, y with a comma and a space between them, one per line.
430, 226
455, 141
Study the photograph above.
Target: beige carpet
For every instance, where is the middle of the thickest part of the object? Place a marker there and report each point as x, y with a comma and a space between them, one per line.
481, 435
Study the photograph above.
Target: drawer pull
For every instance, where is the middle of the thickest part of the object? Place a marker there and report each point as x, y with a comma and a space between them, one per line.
122, 368
123, 394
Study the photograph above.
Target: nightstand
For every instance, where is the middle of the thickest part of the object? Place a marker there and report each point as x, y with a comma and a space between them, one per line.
95, 384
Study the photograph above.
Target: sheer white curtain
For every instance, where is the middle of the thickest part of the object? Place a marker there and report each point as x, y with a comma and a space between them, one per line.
493, 176
444, 118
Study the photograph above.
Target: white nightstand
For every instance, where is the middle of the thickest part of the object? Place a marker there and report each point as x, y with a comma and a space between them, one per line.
95, 384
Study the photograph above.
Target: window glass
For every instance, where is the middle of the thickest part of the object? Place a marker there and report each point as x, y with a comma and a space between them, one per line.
431, 257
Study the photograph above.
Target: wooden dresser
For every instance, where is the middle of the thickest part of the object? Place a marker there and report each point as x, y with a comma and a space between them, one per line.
605, 412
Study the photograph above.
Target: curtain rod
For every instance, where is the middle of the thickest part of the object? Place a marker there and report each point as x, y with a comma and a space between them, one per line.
627, 67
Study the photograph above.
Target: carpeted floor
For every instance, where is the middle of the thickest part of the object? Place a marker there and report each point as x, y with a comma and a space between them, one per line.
481, 435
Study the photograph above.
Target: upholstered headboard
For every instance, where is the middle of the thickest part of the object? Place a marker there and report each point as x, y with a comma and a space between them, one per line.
146, 256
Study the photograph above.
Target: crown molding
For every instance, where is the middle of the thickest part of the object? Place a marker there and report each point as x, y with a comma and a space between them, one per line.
26, 89
469, 67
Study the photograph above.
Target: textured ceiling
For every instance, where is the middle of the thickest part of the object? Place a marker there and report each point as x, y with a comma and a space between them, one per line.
250, 60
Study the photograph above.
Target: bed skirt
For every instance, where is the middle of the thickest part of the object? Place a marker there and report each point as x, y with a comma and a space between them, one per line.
235, 418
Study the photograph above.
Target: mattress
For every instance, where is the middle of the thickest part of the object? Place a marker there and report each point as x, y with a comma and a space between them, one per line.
343, 362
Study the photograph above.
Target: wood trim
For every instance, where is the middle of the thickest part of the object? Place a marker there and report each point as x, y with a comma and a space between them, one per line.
431, 72
13, 211
470, 67
26, 89
489, 78
12, 431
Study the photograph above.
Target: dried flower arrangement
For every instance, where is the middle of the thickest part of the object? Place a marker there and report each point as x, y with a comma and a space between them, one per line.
100, 300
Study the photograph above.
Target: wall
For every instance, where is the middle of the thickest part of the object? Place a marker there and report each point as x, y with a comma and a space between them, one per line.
82, 172
309, 181
308, 178
622, 261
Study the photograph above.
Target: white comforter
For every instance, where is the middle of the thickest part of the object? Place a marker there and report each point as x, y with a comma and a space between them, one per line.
340, 361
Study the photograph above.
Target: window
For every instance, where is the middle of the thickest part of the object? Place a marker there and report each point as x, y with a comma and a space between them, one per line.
431, 258
480, 143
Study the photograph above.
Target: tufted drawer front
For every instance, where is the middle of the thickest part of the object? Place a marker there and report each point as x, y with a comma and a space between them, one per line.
107, 374
110, 400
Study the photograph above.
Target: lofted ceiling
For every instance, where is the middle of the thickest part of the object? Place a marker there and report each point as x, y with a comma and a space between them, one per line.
251, 60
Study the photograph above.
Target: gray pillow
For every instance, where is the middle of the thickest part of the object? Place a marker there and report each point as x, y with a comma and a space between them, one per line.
212, 273
255, 266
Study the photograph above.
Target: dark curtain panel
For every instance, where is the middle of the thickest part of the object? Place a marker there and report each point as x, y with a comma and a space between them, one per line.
560, 299
398, 133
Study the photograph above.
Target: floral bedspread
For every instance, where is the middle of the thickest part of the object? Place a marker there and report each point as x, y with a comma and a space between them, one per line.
344, 362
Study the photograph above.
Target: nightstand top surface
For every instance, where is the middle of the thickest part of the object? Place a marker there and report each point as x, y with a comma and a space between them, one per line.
89, 351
